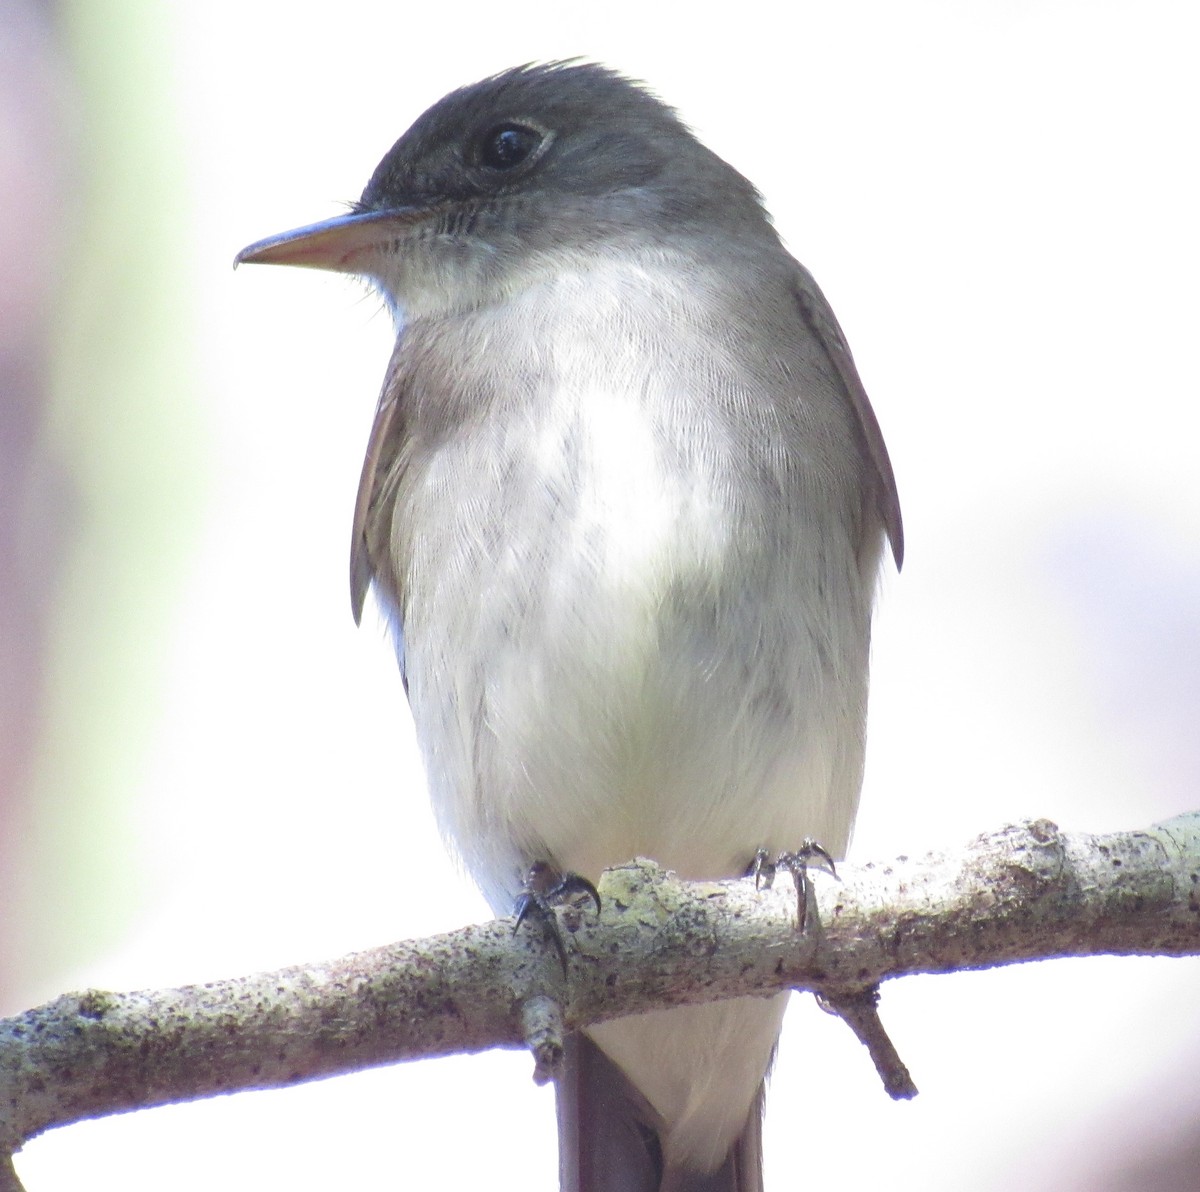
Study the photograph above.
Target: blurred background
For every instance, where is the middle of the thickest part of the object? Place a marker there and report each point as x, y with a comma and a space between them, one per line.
205, 769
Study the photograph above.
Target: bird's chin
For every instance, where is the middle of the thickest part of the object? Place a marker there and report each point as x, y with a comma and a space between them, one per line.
431, 277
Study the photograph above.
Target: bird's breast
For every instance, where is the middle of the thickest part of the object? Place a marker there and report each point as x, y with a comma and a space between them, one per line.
613, 639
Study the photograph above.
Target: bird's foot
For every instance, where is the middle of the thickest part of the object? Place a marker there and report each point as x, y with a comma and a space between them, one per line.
809, 855
545, 889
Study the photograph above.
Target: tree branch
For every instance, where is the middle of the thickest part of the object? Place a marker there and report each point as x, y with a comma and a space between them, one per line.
1024, 893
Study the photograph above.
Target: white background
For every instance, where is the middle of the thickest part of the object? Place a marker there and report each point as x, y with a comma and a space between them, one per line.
1000, 201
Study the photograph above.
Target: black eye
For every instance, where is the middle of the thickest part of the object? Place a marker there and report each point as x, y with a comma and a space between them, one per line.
507, 145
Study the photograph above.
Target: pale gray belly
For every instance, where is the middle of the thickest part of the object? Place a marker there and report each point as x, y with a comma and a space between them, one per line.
607, 656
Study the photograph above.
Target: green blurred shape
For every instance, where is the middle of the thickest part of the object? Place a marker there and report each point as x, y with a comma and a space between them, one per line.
126, 423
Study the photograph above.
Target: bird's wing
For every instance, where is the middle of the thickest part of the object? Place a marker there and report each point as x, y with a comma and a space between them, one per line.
378, 470
822, 322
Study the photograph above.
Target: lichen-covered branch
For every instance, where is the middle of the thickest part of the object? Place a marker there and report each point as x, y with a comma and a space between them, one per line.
1023, 893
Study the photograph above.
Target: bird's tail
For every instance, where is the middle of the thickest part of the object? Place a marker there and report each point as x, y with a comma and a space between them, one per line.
609, 1141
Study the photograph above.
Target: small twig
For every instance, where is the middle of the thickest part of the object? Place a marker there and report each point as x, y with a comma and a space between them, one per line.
859, 1010
541, 1018
9, 1181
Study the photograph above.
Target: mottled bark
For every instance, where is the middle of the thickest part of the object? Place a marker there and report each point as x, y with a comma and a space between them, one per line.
1023, 893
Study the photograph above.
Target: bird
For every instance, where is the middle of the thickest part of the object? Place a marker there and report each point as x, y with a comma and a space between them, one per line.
624, 507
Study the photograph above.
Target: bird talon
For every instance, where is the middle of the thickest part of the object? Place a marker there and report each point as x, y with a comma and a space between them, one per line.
571, 885
546, 888
810, 854
762, 869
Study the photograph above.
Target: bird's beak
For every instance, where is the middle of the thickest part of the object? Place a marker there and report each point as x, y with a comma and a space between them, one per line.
343, 244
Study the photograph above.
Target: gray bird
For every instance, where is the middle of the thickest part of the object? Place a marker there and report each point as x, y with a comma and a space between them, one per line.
624, 503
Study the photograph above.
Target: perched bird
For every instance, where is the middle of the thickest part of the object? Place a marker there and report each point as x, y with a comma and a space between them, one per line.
624, 503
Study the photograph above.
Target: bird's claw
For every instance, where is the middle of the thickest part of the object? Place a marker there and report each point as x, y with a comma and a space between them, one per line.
546, 888
809, 855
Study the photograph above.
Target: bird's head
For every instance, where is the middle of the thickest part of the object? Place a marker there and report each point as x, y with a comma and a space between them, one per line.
504, 179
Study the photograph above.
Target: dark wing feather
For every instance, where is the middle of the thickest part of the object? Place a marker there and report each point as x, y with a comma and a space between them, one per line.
378, 473
822, 322
362, 568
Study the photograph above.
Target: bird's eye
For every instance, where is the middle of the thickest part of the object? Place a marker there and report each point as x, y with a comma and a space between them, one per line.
507, 145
